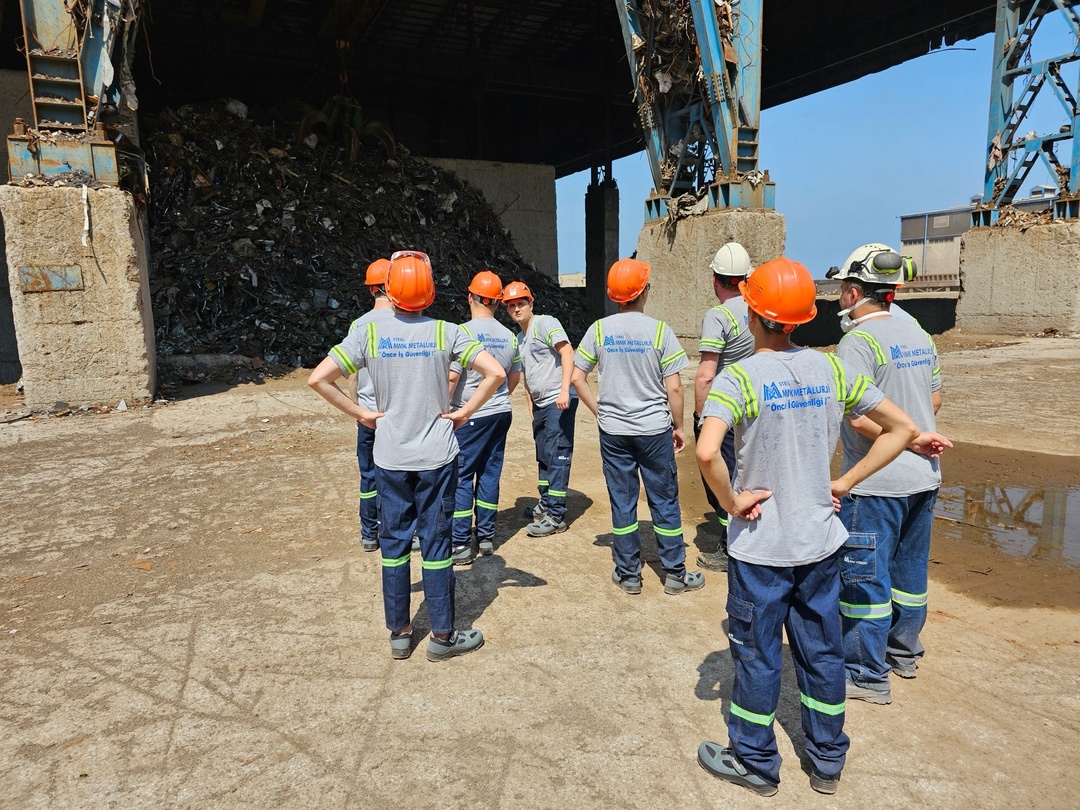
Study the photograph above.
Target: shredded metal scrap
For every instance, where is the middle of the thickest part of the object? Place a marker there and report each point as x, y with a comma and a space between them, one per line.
259, 246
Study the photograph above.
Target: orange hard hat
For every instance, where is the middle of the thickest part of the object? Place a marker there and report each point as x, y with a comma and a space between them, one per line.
376, 273
410, 285
487, 285
626, 280
516, 289
781, 290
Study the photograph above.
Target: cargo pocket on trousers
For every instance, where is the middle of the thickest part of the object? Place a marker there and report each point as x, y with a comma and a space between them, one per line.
741, 628
446, 512
858, 557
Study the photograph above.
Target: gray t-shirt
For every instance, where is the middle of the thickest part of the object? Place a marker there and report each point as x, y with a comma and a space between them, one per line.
541, 363
501, 344
635, 353
409, 358
902, 361
365, 391
725, 331
786, 409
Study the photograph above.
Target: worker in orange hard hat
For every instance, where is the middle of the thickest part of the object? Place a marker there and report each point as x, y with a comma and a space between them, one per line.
640, 416
785, 405
409, 358
362, 392
482, 439
548, 361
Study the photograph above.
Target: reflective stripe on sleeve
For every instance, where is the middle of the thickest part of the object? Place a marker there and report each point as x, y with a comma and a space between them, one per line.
752, 407
343, 359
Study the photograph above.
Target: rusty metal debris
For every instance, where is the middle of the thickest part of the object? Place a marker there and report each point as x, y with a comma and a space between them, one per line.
1011, 217
259, 245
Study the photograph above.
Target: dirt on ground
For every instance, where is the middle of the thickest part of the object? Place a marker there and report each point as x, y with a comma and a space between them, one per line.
187, 619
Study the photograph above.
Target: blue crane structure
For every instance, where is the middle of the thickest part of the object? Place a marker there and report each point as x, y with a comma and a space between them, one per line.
1011, 152
74, 83
696, 68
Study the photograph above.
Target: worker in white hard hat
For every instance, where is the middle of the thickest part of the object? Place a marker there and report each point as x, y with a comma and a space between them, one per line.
725, 339
883, 569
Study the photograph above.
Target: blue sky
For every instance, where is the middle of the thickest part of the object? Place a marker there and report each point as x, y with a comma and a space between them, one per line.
849, 161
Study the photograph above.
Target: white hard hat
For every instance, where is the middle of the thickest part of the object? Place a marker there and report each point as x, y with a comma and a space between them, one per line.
731, 260
875, 263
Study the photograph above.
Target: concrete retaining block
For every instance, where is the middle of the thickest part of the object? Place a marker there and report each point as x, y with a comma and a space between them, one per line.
88, 346
681, 279
1020, 281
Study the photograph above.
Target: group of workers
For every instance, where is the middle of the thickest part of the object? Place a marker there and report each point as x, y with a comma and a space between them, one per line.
841, 564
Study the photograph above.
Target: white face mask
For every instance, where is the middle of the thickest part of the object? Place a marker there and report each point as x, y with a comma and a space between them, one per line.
847, 323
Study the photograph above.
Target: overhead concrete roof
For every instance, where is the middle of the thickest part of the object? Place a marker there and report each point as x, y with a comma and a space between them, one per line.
538, 81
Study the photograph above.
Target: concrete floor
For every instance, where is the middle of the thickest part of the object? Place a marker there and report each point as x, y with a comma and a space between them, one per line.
188, 621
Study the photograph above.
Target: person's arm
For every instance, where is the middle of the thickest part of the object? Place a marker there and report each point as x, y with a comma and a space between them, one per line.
745, 505
935, 400
324, 382
512, 380
566, 357
896, 432
580, 380
353, 385
494, 376
673, 384
455, 375
706, 372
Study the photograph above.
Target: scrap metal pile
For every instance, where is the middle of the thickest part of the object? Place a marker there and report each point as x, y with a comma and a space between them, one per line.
259, 245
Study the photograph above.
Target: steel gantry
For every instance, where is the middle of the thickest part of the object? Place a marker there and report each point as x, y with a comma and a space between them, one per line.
1013, 152
696, 67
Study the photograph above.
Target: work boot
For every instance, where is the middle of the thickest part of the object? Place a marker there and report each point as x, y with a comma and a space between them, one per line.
487, 547
460, 642
823, 784
882, 697
415, 542
713, 560
723, 764
369, 543
401, 645
535, 512
463, 555
690, 581
631, 585
545, 527
905, 669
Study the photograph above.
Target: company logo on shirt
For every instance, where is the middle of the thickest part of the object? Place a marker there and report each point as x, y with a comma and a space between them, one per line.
492, 340
783, 395
910, 358
391, 347
617, 344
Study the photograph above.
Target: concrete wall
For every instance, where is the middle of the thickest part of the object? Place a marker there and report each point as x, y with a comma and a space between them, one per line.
681, 278
1020, 282
523, 195
88, 346
14, 103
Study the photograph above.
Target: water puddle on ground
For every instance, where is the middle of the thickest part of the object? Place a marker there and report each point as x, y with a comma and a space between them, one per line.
1038, 523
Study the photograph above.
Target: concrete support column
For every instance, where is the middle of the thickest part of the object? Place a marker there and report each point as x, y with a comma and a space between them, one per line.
1018, 282
681, 278
82, 312
601, 241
